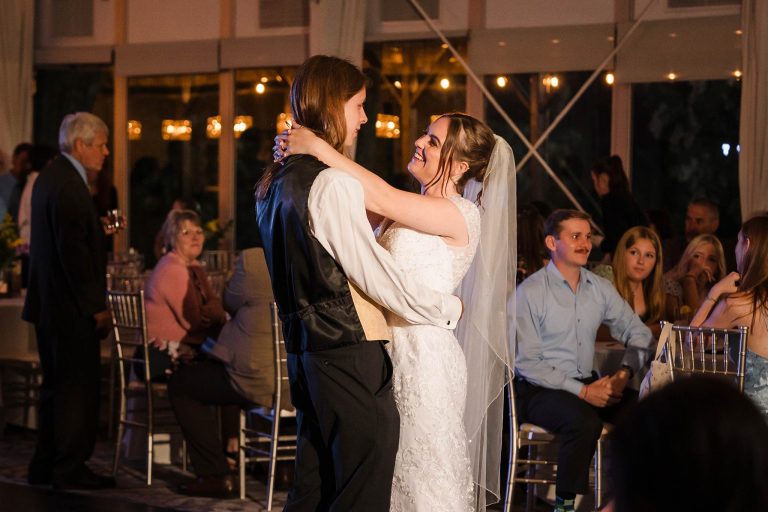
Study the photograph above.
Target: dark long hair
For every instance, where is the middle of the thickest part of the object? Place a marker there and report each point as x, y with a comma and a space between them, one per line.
321, 87
614, 168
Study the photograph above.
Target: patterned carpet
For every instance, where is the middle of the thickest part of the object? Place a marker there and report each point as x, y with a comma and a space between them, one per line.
17, 445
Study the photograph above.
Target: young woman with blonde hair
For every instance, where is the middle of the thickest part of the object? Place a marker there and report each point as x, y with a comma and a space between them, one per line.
701, 265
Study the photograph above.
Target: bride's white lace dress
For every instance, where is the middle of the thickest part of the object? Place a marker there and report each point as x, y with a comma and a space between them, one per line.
432, 469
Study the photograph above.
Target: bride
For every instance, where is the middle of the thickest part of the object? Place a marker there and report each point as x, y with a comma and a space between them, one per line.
449, 432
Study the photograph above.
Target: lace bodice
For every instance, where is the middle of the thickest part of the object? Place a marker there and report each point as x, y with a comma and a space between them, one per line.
438, 265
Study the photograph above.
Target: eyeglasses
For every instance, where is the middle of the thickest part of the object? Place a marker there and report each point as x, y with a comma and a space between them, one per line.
192, 232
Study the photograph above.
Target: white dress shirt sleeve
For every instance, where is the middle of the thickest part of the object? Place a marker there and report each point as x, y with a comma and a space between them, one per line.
337, 220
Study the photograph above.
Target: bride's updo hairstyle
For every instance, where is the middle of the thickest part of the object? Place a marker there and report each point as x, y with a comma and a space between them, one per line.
469, 140
320, 88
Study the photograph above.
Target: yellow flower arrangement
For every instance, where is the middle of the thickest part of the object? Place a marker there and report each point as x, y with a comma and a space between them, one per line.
11, 245
214, 231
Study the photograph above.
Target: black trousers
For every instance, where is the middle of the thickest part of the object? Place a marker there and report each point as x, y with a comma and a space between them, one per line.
69, 399
576, 423
348, 429
194, 389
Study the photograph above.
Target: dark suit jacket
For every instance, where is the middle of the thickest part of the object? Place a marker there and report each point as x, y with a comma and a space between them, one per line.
67, 280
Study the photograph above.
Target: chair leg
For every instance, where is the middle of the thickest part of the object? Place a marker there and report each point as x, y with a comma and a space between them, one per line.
118, 442
599, 475
530, 489
150, 455
241, 454
511, 471
184, 455
273, 457
120, 431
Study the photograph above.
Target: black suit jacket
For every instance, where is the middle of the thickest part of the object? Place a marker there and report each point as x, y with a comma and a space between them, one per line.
67, 280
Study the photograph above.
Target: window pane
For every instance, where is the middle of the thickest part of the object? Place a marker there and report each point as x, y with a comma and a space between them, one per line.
262, 94
413, 80
533, 101
169, 164
685, 145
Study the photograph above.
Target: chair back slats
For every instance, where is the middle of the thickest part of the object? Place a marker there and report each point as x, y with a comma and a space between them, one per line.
132, 351
708, 350
217, 261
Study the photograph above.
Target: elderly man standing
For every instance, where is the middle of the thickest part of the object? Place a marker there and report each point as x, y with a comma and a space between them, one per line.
559, 309
66, 300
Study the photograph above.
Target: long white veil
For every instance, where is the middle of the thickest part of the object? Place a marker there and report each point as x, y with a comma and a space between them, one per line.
486, 330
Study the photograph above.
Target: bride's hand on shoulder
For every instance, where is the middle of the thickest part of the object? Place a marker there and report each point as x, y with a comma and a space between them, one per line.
297, 140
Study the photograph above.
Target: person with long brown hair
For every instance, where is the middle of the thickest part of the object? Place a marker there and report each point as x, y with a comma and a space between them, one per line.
638, 275
741, 298
434, 236
328, 278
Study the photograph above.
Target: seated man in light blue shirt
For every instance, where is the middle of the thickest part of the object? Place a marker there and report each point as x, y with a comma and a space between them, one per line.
559, 309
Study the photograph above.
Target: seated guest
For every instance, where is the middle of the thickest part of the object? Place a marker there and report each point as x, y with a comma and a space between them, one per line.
698, 445
741, 298
638, 277
182, 309
178, 204
559, 309
239, 371
702, 265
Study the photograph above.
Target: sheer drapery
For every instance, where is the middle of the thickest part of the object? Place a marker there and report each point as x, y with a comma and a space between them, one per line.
753, 128
16, 61
337, 27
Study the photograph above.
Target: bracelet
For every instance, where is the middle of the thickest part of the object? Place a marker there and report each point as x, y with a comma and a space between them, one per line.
584, 392
714, 301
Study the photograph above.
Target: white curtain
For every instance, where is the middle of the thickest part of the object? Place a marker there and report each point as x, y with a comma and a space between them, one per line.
16, 62
337, 27
753, 129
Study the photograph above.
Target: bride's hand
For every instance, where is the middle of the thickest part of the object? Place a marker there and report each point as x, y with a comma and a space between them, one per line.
296, 140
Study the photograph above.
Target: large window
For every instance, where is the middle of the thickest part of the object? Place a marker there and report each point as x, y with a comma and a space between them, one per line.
262, 98
533, 101
410, 81
174, 155
685, 145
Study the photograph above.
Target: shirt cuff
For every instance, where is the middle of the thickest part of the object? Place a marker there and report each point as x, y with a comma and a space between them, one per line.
453, 310
573, 386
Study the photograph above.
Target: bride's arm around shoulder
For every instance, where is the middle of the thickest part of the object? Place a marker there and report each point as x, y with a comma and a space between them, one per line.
432, 215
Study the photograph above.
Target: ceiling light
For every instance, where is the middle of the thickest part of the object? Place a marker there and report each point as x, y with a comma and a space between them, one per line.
445, 83
264, 80
398, 84
260, 88
502, 81
737, 73
671, 76
610, 78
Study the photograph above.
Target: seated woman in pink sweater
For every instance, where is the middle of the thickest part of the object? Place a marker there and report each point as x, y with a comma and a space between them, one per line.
182, 308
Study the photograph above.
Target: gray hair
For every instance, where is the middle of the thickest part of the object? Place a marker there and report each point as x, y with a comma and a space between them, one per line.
80, 125
172, 225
